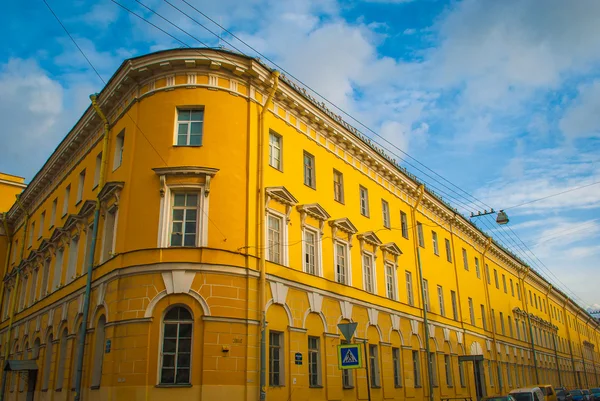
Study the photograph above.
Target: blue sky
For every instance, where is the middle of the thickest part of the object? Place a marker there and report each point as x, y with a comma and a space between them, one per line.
500, 98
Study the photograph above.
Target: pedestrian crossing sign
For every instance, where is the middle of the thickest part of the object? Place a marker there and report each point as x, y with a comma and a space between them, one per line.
349, 356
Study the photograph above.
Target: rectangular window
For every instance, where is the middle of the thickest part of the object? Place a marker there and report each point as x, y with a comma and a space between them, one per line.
42, 221
420, 237
45, 278
426, 295
404, 224
58, 263
461, 374
32, 289
385, 211
110, 224
496, 279
433, 368
13, 258
440, 291
409, 288
524, 331
487, 274
314, 362
97, 169
494, 320
276, 359
72, 263
341, 263
65, 208
338, 186
397, 367
448, 369
390, 280
364, 201
477, 271
30, 234
471, 311
22, 292
454, 305
189, 127
310, 252
518, 329
89, 235
80, 187
502, 328
448, 250
510, 327
465, 259
275, 239
416, 368
347, 374
119, 144
504, 284
275, 142
309, 170
512, 288
368, 279
483, 319
374, 365
434, 240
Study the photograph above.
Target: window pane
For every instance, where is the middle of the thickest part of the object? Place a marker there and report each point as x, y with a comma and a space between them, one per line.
169, 345
172, 314
183, 361
179, 200
178, 214
167, 375
197, 115
196, 128
185, 330
168, 361
191, 215
183, 115
183, 376
185, 345
192, 200
176, 239
170, 330
195, 139
190, 227
190, 240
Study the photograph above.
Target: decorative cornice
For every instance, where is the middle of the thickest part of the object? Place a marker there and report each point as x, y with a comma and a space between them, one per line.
281, 195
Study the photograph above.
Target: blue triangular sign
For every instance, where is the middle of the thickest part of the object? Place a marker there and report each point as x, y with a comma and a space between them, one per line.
347, 329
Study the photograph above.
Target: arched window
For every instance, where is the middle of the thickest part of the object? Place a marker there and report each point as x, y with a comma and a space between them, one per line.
47, 363
62, 356
35, 351
176, 346
98, 353
75, 357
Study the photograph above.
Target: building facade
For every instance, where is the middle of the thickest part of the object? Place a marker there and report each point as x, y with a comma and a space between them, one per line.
214, 212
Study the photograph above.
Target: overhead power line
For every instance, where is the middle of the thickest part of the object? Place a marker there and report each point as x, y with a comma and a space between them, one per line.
551, 196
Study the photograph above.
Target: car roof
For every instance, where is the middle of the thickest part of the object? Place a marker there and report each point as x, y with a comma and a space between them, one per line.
525, 390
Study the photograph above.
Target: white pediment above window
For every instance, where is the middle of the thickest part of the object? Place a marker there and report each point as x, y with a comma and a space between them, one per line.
391, 248
179, 171
344, 224
314, 210
370, 238
281, 195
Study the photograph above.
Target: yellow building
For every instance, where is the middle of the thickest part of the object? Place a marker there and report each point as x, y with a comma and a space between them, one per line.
213, 210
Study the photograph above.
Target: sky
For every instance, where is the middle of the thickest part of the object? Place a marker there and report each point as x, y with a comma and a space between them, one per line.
490, 103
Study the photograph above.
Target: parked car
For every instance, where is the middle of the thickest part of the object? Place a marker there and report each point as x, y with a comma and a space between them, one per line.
578, 395
587, 395
563, 395
528, 394
596, 393
548, 391
499, 398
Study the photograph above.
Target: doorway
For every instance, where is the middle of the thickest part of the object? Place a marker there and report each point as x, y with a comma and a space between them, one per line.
478, 373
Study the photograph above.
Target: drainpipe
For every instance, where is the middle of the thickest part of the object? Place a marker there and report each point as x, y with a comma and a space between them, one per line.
421, 190
554, 338
575, 377
13, 297
531, 337
486, 273
90, 256
262, 288
593, 359
7, 258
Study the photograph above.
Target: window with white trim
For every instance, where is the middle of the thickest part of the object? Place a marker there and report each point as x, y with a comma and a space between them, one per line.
45, 278
374, 365
311, 251
448, 369
119, 146
80, 186
66, 200
42, 221
189, 127
471, 311
409, 288
338, 186
364, 200
390, 280
420, 237
385, 211
342, 263
275, 226
185, 216
275, 150
309, 170
72, 262
465, 259
404, 224
33, 287
440, 291
276, 359
99, 335
47, 362
176, 351
477, 270
53, 212
110, 226
434, 239
58, 264
397, 367
97, 169
62, 357
448, 250
368, 272
426, 295
454, 305
416, 368
23, 291
314, 361
89, 236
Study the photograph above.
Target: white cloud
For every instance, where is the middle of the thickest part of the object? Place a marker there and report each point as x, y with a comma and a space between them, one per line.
409, 31
101, 14
583, 119
31, 109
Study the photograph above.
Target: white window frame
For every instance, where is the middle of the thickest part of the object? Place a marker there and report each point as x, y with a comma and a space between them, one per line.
104, 258
176, 127
426, 300
316, 352
97, 169
309, 170
440, 291
53, 209
434, 240
119, 147
65, 208
33, 287
164, 224
448, 366
374, 370
284, 236
41, 227
58, 265
397, 366
391, 280
371, 257
465, 259
385, 211
448, 250
363, 199
477, 268
80, 186
272, 160
163, 323
454, 305
410, 295
348, 260
318, 250
471, 311
72, 262
282, 359
339, 184
420, 235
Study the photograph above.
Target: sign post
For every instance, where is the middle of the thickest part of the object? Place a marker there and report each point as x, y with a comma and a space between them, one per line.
350, 355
